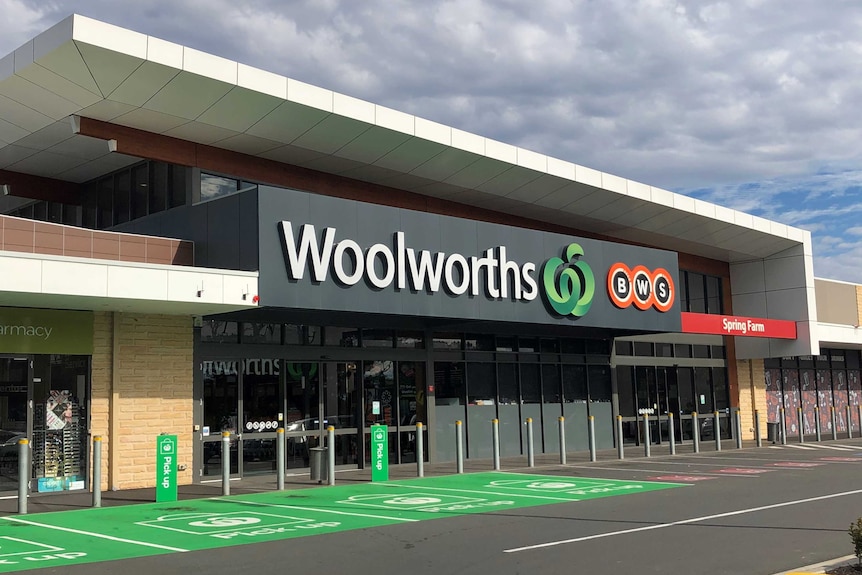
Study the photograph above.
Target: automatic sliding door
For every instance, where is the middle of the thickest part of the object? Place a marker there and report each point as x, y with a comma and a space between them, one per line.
14, 386
340, 407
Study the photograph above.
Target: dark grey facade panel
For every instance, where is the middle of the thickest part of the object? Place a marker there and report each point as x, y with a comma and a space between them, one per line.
361, 226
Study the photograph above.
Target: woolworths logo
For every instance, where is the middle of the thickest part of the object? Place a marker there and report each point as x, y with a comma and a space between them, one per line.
569, 284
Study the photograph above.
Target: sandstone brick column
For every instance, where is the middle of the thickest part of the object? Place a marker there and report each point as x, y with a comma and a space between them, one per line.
752, 395
141, 387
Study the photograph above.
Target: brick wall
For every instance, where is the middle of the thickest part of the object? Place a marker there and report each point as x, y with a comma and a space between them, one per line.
148, 393
752, 395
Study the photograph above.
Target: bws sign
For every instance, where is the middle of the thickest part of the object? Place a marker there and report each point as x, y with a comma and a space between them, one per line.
343, 257
641, 287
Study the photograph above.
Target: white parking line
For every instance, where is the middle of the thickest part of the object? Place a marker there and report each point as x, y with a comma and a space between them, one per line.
99, 535
431, 488
682, 522
662, 471
261, 504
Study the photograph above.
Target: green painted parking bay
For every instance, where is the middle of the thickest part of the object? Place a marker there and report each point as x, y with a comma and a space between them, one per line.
93, 535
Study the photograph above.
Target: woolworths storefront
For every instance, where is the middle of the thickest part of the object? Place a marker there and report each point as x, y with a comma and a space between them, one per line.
375, 314
44, 395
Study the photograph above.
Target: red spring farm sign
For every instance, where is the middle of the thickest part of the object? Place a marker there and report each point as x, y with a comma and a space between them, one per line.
738, 325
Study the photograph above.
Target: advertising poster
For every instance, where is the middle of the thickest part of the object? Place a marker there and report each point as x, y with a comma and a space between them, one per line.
791, 400
773, 395
854, 392
839, 381
809, 400
824, 397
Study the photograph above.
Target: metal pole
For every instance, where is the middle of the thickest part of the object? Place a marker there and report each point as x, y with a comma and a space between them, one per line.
562, 421
695, 432
23, 474
225, 462
834, 427
97, 471
817, 422
420, 451
495, 438
716, 431
799, 423
330, 452
531, 458
279, 458
646, 435
592, 433
757, 437
859, 409
620, 448
671, 433
737, 419
783, 427
849, 422
459, 448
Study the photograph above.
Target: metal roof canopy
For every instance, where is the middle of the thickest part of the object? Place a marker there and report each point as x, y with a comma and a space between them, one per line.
88, 68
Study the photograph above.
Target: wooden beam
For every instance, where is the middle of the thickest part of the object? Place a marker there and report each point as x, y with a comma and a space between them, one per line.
40, 188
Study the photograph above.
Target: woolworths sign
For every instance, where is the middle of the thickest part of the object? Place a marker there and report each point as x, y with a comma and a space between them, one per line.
337, 255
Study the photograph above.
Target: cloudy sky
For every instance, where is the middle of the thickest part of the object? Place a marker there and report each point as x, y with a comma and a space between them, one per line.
752, 104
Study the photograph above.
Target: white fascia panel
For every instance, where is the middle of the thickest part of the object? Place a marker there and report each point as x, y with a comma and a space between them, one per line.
108, 36
744, 220
185, 286
353, 108
73, 278
796, 234
53, 37
724, 214
705, 209
395, 120
614, 183
638, 190
20, 274
661, 196
500, 151
164, 53
588, 176
309, 95
761, 224
532, 160
137, 283
561, 169
24, 56
239, 290
683, 203
434, 132
209, 66
778, 229
468, 142
262, 81
7, 66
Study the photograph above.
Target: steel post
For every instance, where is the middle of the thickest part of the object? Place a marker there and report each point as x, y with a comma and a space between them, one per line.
849, 418
420, 451
225, 463
459, 448
799, 423
531, 457
817, 429
562, 430
279, 458
716, 430
757, 436
646, 435
97, 471
671, 432
495, 440
23, 474
591, 430
832, 419
695, 432
620, 449
330, 452
783, 427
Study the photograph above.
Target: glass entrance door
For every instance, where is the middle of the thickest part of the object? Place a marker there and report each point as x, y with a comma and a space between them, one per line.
340, 406
15, 423
262, 406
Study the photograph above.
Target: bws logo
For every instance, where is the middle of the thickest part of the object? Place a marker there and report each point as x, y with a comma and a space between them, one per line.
640, 287
569, 290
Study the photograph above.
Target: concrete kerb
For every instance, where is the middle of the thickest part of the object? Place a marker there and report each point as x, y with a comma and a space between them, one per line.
821, 567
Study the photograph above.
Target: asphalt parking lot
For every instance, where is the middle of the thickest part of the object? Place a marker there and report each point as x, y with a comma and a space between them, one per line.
756, 510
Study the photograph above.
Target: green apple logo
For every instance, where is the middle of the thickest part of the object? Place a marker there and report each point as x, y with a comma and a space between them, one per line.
569, 290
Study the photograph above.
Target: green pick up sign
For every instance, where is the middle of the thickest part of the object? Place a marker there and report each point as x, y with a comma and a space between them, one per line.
166, 468
379, 453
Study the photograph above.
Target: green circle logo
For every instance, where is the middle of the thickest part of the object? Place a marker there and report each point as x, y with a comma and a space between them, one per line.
569, 290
